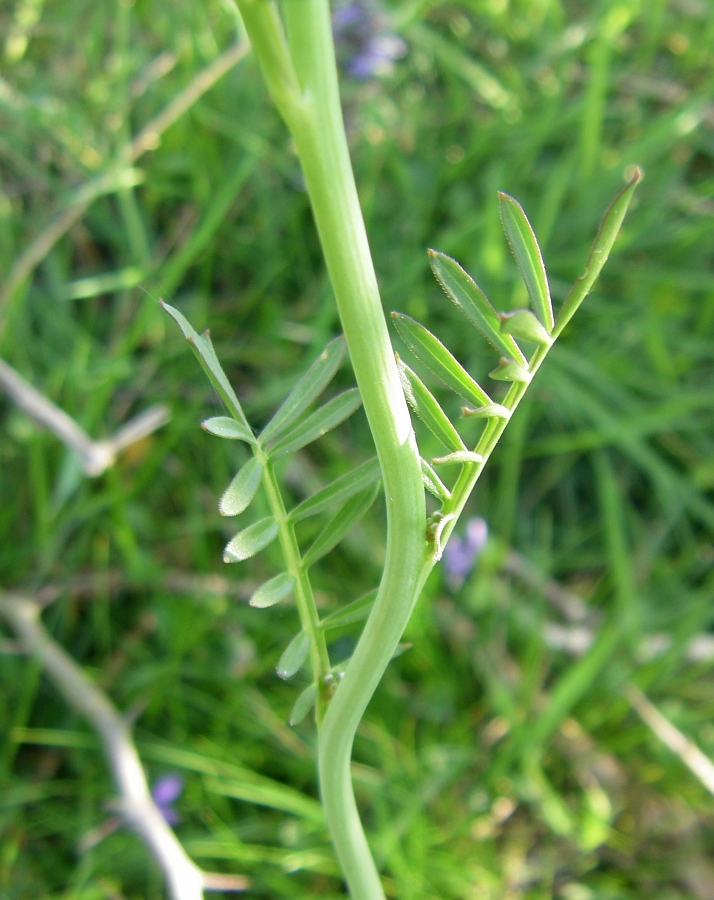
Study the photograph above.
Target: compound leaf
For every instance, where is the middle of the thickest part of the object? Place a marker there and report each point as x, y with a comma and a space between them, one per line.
471, 300
308, 389
353, 612
340, 490
251, 540
429, 349
294, 655
303, 704
318, 423
224, 427
273, 591
340, 525
599, 252
529, 260
240, 492
424, 404
203, 348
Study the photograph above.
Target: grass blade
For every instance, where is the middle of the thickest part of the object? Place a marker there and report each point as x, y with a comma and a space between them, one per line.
240, 492
273, 591
203, 348
271, 795
308, 389
318, 423
340, 490
251, 540
599, 252
294, 655
224, 427
429, 349
426, 407
355, 611
303, 704
471, 300
340, 525
529, 260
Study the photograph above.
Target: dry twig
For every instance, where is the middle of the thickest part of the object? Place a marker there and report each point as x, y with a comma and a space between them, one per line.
95, 456
184, 879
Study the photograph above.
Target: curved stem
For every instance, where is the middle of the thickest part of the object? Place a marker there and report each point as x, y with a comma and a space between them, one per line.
313, 114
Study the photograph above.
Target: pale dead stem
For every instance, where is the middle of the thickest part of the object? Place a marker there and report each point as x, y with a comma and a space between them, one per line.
95, 456
184, 879
692, 757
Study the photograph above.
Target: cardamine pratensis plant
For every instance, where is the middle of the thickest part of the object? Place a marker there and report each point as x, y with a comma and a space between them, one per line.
295, 50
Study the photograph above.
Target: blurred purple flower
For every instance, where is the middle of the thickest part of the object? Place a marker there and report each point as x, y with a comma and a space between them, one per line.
165, 793
365, 48
461, 553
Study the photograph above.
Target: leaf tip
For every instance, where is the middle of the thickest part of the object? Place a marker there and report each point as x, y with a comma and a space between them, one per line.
634, 174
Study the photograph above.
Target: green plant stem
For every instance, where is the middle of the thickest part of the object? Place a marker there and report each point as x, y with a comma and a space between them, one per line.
309, 619
302, 80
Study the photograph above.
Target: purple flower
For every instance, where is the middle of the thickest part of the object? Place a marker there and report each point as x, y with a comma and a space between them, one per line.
365, 48
164, 793
461, 553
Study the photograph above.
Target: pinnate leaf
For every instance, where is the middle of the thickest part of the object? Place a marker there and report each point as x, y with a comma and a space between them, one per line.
203, 348
340, 525
273, 591
294, 655
251, 540
528, 257
429, 349
600, 250
353, 612
224, 427
522, 324
303, 704
340, 490
318, 423
240, 492
471, 300
424, 404
308, 389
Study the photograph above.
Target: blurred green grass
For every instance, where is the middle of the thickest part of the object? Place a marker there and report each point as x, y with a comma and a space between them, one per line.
490, 766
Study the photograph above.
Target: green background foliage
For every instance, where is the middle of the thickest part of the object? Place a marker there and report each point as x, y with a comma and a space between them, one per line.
490, 765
